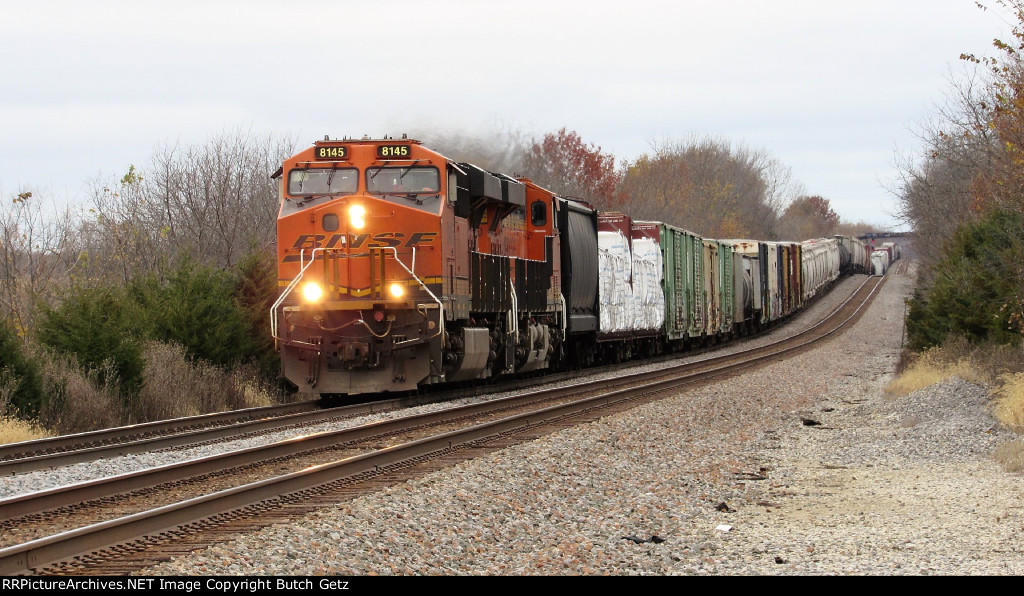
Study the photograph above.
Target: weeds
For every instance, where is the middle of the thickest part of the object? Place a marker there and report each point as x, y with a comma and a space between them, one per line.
1010, 456
1001, 368
12, 429
982, 365
177, 386
79, 400
1009, 408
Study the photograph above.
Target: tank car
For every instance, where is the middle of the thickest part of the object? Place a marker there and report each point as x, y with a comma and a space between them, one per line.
854, 255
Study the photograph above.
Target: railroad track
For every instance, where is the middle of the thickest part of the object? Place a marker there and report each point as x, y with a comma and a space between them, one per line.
270, 484
66, 450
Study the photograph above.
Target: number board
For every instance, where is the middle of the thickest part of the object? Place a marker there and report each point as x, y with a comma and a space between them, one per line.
394, 151
335, 153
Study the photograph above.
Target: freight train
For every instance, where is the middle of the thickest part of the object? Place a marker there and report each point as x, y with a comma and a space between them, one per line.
402, 268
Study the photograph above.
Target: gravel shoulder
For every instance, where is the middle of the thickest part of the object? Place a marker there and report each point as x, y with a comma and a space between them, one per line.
721, 480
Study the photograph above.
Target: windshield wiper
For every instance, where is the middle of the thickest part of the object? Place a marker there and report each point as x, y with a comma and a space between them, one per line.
408, 197
302, 201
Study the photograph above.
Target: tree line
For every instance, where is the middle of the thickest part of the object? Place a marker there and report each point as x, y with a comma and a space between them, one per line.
963, 195
708, 186
152, 299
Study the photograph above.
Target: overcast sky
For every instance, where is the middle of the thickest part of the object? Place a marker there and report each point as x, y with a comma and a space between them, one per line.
832, 89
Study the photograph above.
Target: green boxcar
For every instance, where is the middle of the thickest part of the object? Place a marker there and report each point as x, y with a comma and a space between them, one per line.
699, 285
728, 286
682, 263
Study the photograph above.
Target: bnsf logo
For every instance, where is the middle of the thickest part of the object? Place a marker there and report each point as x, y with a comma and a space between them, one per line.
356, 241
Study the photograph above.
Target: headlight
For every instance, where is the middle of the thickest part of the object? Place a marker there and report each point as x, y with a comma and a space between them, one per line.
312, 292
357, 216
396, 290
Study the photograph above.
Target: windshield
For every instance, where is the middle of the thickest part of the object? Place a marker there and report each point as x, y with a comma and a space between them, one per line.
323, 181
403, 180
417, 186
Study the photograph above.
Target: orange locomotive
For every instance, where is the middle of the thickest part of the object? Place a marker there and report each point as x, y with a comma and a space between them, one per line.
401, 267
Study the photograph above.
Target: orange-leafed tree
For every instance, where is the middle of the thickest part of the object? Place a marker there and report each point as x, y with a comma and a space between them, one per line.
709, 187
564, 163
1001, 183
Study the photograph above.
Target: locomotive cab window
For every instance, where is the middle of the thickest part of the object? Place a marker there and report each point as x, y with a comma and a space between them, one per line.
538, 213
414, 186
323, 181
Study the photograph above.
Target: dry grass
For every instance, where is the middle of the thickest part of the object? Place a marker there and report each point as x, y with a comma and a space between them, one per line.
983, 365
1001, 368
1010, 456
1009, 407
176, 386
13, 430
933, 367
78, 402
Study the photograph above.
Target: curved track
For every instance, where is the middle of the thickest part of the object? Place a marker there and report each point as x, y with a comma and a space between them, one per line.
295, 476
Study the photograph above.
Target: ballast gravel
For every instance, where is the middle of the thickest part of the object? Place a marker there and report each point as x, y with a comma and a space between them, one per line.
28, 482
804, 467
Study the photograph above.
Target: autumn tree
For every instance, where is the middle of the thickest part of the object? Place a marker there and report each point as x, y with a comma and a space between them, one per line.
709, 187
965, 197
565, 164
1000, 185
856, 228
808, 217
939, 188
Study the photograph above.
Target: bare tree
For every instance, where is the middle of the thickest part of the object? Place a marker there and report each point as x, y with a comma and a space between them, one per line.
214, 203
217, 201
939, 187
36, 256
118, 238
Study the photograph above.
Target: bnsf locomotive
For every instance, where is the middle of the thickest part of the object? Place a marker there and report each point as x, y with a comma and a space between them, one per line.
402, 268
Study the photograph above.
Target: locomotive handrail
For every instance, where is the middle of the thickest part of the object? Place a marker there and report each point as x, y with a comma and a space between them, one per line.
290, 288
440, 305
565, 315
513, 318
298, 278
